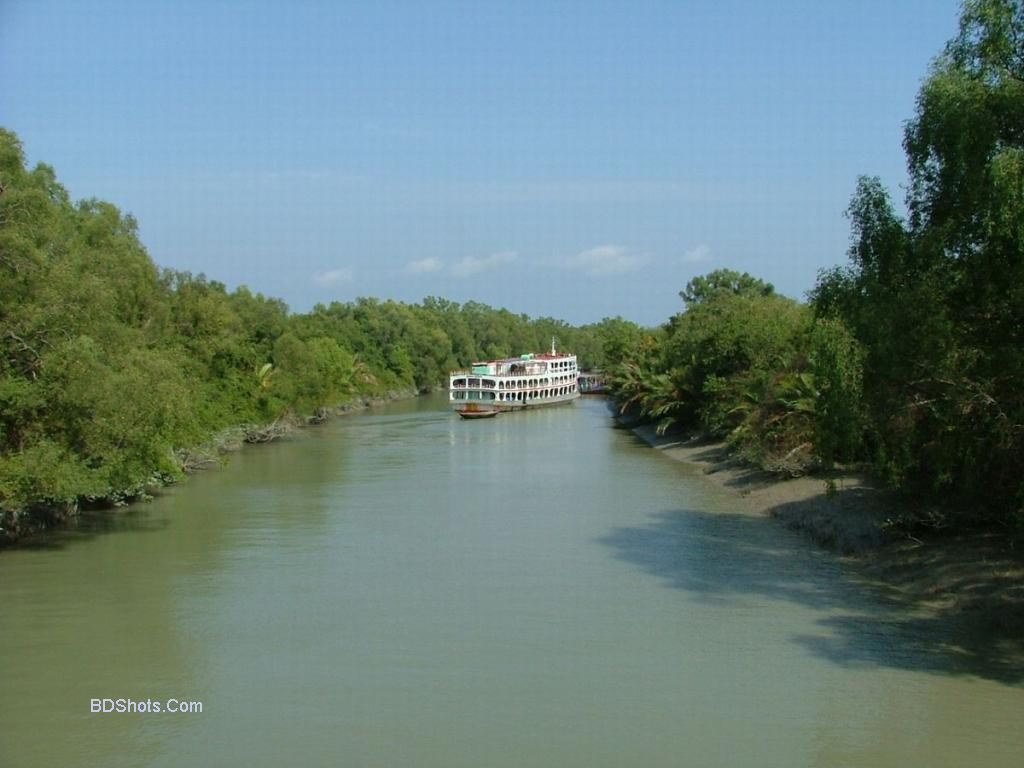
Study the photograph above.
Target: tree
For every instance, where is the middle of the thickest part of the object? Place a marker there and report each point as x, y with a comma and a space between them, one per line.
704, 287
937, 303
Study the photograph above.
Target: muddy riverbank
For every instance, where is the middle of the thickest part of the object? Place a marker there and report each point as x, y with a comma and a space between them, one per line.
969, 584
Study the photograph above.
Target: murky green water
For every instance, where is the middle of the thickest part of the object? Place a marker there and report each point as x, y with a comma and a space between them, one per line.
401, 588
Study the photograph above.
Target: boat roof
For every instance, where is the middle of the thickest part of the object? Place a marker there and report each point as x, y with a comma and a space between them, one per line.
537, 356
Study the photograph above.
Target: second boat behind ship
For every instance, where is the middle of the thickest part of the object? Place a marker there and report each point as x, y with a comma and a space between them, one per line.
593, 383
515, 383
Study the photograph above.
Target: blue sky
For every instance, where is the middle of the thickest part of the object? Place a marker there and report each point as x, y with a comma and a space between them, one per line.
578, 160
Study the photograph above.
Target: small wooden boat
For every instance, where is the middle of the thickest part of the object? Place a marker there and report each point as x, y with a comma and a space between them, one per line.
473, 412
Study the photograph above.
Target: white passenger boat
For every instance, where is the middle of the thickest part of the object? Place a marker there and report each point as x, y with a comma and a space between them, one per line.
515, 383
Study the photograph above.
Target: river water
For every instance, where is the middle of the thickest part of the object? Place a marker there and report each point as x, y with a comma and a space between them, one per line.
401, 588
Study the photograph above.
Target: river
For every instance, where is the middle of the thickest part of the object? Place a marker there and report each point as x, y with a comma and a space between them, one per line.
401, 588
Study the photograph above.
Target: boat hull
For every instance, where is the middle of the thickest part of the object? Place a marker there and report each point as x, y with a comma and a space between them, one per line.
506, 407
475, 412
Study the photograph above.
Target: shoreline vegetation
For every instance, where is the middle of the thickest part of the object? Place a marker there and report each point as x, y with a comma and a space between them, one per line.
211, 454
118, 377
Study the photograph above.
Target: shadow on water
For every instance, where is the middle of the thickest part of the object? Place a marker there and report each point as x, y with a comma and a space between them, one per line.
725, 559
90, 524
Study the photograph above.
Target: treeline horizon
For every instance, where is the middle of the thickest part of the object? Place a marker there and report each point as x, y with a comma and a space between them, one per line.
909, 360
112, 369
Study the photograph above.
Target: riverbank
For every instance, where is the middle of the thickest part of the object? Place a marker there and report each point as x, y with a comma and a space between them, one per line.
19, 527
969, 585
850, 519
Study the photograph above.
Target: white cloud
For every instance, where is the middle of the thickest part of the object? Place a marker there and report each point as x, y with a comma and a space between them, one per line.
698, 254
606, 260
422, 266
333, 276
473, 265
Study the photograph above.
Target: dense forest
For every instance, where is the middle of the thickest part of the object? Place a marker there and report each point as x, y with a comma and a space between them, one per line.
909, 359
116, 375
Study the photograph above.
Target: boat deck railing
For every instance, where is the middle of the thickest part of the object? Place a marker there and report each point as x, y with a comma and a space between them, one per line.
492, 388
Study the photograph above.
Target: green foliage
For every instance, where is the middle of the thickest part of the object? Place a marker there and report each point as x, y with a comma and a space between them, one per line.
836, 364
44, 471
109, 366
776, 414
936, 304
730, 333
733, 365
723, 281
617, 339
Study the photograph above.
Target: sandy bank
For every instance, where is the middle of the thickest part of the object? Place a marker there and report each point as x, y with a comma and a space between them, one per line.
964, 592
849, 520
